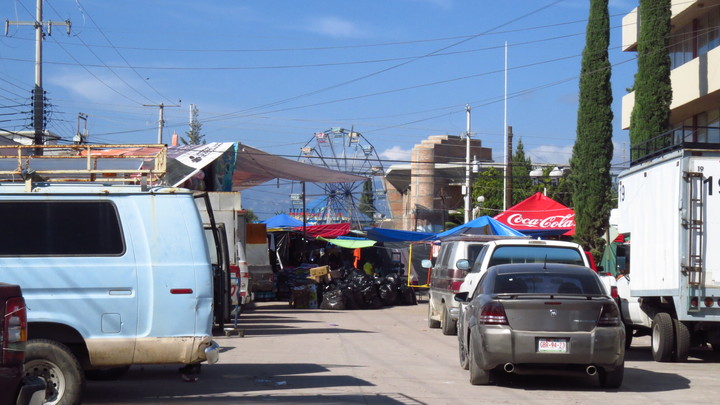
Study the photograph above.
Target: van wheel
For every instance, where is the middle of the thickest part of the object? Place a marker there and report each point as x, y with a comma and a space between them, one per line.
464, 358
449, 327
663, 341
432, 324
55, 363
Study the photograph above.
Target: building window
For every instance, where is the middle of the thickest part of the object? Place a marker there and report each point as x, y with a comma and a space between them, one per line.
695, 39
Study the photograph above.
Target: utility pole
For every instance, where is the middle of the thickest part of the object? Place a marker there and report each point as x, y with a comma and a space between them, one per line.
467, 166
38, 93
161, 120
509, 168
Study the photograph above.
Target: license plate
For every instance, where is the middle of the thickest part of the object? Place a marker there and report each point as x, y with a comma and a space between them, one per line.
547, 345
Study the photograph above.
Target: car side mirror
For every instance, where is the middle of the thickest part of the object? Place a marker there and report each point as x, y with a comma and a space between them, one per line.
426, 263
463, 264
462, 296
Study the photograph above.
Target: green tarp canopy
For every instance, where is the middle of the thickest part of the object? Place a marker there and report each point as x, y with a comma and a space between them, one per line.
350, 243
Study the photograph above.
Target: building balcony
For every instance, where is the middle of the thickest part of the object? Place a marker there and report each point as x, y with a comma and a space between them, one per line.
696, 89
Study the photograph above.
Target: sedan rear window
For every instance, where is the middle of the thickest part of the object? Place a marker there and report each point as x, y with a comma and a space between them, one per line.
536, 254
547, 283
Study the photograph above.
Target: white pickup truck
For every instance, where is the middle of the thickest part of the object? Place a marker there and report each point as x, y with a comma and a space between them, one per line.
525, 251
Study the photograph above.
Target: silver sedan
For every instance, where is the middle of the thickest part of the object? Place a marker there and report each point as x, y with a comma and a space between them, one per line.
542, 318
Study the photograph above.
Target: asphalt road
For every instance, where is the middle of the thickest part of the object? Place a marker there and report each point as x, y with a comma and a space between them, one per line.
385, 356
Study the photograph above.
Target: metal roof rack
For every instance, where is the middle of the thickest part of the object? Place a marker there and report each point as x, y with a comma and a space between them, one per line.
134, 164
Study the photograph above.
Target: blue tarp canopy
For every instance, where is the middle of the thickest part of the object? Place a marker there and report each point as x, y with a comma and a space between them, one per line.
282, 221
394, 235
484, 225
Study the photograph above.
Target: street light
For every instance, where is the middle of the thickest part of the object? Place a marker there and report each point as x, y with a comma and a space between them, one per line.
478, 207
555, 175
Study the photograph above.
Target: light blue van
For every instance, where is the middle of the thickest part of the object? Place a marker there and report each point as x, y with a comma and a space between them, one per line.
113, 276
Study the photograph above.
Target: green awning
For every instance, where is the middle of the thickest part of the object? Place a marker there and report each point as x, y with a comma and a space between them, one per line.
350, 243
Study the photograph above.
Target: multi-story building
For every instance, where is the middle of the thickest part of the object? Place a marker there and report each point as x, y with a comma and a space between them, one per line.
421, 194
695, 63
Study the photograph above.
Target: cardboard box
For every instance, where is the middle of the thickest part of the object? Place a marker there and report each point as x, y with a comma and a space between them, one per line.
319, 271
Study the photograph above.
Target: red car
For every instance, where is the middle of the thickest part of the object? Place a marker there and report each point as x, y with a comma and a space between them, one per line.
15, 387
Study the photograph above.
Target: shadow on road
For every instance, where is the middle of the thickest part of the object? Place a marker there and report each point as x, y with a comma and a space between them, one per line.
636, 380
233, 383
277, 319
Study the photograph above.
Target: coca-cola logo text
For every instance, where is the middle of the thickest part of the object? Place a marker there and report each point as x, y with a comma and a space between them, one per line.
552, 222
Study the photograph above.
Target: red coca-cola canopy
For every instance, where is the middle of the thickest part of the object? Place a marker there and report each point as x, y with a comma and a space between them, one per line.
539, 215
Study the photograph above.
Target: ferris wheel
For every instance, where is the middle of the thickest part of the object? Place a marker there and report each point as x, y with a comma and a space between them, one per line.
360, 203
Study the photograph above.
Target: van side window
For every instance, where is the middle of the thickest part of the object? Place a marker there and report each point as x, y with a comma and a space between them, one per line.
444, 258
60, 228
477, 265
472, 252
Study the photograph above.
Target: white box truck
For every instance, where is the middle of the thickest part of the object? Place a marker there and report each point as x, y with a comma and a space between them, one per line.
669, 211
230, 221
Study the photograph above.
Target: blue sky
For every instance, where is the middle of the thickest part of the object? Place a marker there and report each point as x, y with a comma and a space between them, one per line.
272, 73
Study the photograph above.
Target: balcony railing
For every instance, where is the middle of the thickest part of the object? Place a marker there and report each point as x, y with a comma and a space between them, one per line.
685, 137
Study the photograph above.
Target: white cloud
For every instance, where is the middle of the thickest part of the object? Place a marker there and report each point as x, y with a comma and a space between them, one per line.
396, 153
91, 88
551, 154
560, 155
336, 27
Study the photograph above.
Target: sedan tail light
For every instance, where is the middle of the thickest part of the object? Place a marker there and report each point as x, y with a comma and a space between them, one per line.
493, 313
15, 331
609, 315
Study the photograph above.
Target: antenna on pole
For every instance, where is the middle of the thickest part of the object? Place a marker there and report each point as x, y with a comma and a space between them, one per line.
161, 119
81, 137
38, 92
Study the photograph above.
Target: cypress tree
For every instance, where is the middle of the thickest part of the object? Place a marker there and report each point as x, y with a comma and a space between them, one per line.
653, 91
593, 149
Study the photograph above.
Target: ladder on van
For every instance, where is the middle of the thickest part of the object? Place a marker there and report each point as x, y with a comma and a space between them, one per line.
695, 228
134, 164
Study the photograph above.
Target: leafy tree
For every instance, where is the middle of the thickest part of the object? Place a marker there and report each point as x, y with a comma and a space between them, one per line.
653, 91
367, 200
250, 216
593, 149
489, 184
523, 186
194, 134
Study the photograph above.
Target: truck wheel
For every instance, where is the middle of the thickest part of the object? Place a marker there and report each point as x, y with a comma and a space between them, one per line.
61, 370
682, 341
432, 324
449, 327
662, 337
628, 337
612, 379
478, 376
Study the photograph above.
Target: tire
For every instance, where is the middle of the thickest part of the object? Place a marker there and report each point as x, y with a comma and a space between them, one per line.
612, 379
682, 341
663, 341
464, 357
61, 370
106, 374
432, 324
628, 337
449, 327
478, 376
